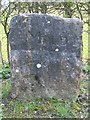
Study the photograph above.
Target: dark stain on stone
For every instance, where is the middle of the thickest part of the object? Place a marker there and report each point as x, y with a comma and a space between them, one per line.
23, 86
37, 79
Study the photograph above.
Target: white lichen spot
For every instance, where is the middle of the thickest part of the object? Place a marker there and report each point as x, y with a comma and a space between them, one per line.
48, 22
67, 58
17, 70
16, 21
73, 75
46, 30
67, 66
38, 65
56, 49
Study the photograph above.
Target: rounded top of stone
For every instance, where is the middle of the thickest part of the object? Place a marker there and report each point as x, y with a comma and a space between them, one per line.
27, 15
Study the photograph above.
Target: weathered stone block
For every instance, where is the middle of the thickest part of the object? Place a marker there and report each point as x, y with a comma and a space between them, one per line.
45, 55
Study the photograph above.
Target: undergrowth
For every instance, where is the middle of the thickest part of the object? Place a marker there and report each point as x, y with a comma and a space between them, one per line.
44, 108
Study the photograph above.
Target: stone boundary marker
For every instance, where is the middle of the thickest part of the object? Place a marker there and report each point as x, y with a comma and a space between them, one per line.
45, 56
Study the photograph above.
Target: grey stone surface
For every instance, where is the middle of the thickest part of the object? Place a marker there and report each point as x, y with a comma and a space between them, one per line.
45, 56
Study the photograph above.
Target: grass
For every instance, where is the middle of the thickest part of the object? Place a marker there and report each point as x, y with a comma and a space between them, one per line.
37, 108
46, 108
6, 88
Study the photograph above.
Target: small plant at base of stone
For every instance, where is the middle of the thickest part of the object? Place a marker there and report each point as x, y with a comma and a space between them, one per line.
5, 73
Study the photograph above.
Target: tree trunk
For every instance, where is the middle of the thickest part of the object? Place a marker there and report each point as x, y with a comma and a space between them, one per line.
8, 51
7, 33
89, 34
1, 55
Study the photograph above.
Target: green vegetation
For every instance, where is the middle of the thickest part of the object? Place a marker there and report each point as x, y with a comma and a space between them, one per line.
40, 107
5, 73
46, 108
6, 88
